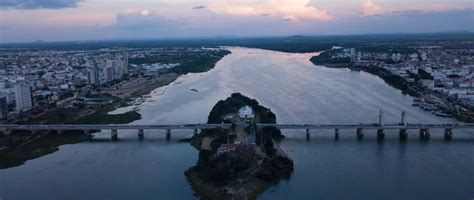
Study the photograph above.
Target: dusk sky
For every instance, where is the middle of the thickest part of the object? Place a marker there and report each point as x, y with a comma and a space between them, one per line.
59, 20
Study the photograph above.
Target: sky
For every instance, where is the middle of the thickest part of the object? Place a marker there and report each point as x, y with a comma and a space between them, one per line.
63, 20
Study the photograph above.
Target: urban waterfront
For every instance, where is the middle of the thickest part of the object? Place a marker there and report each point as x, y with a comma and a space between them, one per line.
297, 92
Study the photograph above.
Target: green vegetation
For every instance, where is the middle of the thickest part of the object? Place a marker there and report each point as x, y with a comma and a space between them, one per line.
190, 60
424, 75
391, 79
86, 116
164, 79
325, 58
36, 146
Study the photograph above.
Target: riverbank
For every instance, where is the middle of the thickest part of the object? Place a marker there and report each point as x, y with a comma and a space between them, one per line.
391, 79
30, 146
234, 164
18, 147
326, 59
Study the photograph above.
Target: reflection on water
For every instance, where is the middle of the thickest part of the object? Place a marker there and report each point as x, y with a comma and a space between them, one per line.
298, 92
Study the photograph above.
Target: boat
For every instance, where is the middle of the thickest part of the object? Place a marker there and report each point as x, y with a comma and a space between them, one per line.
415, 104
194, 90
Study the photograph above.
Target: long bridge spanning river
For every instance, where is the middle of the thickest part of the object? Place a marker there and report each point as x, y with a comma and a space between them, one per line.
424, 129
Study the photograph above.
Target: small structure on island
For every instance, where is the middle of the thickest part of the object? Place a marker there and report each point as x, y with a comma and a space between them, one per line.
246, 112
226, 148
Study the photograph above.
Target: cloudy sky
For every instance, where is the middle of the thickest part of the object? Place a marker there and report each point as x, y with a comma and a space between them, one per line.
59, 20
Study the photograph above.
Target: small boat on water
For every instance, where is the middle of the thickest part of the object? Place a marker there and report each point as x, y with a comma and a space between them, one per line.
194, 90
415, 104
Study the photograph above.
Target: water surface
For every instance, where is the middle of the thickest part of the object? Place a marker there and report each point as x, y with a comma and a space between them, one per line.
297, 92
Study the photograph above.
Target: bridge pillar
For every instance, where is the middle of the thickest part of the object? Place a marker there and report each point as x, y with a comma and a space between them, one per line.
168, 134
195, 132
141, 134
380, 134
114, 134
307, 134
336, 133
360, 135
403, 134
424, 133
448, 134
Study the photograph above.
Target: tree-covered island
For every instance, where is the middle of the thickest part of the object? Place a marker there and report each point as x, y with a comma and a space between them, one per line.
242, 162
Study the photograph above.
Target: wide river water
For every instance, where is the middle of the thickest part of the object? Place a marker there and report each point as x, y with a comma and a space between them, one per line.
297, 92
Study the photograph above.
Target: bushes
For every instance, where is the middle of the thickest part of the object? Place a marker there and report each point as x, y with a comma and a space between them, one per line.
276, 168
223, 168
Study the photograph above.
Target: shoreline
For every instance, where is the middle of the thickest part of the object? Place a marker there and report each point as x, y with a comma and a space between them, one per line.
395, 81
18, 147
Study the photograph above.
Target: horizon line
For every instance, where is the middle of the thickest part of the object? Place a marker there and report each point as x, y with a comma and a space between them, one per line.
468, 32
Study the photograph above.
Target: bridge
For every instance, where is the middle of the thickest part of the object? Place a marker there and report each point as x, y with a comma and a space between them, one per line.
424, 129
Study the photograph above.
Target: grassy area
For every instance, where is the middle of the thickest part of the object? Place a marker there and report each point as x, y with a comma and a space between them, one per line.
44, 145
99, 116
190, 60
164, 79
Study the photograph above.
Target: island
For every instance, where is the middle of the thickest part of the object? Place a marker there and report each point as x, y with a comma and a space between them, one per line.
242, 162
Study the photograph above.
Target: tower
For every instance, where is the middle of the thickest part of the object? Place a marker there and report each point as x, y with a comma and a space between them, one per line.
23, 98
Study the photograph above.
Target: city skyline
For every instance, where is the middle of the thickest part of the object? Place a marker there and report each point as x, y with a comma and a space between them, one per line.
65, 20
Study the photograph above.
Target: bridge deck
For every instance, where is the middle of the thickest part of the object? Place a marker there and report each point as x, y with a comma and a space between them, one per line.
227, 126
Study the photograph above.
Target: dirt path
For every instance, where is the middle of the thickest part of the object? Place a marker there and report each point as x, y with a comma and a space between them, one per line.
206, 143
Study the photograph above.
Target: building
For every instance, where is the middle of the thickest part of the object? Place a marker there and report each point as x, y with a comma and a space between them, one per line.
246, 112
3, 107
93, 75
396, 57
116, 66
109, 73
353, 55
23, 99
124, 68
226, 148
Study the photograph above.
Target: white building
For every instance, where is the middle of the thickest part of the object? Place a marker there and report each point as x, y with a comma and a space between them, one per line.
23, 98
246, 112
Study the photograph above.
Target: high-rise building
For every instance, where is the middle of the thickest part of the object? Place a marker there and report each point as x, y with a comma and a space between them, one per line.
23, 98
93, 75
116, 66
109, 73
353, 54
124, 63
3, 107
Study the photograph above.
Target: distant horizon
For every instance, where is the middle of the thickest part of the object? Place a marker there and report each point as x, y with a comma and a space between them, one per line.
224, 37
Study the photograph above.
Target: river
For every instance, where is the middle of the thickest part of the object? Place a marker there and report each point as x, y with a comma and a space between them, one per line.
297, 92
